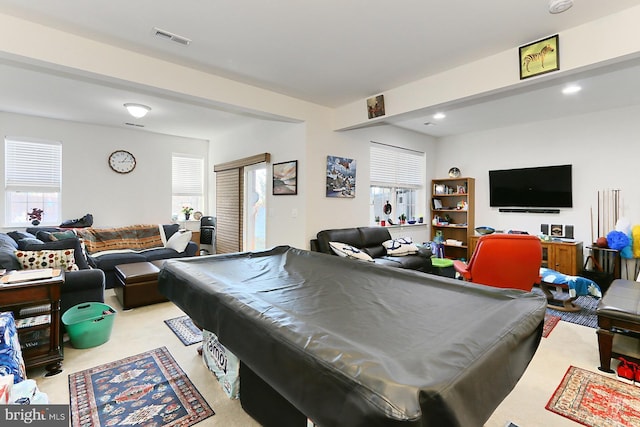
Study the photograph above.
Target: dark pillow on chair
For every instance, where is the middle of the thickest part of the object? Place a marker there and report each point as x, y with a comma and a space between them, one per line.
44, 236
375, 251
23, 243
74, 244
170, 229
17, 235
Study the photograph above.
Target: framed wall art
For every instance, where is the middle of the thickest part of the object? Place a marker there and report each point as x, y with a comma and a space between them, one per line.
285, 178
539, 57
375, 106
341, 177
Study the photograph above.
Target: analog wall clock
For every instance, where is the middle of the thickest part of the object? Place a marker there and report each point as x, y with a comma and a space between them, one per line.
122, 161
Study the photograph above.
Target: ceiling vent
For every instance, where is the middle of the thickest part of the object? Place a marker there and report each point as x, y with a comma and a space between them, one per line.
163, 34
134, 125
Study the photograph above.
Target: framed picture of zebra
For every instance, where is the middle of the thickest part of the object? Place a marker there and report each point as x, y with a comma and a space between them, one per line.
539, 57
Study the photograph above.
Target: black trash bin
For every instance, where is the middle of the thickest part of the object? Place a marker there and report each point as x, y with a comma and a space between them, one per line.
208, 231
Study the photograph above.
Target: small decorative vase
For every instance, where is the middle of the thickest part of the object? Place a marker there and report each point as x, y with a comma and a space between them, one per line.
186, 216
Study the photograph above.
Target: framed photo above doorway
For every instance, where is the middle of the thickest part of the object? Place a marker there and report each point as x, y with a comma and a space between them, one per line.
539, 57
375, 106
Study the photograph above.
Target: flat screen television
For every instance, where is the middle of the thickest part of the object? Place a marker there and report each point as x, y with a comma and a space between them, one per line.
539, 187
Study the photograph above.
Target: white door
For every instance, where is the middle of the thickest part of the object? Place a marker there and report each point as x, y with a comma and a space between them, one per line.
255, 211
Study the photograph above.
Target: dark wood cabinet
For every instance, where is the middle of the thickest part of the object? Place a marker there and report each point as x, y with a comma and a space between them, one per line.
36, 309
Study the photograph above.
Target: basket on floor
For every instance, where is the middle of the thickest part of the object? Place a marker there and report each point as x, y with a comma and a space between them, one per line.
89, 324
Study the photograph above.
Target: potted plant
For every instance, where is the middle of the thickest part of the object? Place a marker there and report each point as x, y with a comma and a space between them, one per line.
377, 219
186, 210
402, 218
35, 216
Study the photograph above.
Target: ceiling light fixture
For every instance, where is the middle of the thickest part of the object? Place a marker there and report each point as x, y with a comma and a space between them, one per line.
571, 89
559, 6
439, 116
137, 110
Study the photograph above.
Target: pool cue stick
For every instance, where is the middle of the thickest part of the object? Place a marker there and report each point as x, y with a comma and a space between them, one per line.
591, 216
598, 213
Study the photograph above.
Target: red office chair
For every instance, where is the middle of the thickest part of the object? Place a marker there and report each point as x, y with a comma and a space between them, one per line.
504, 261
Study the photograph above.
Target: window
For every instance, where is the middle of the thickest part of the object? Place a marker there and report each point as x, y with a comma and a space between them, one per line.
187, 177
32, 180
397, 177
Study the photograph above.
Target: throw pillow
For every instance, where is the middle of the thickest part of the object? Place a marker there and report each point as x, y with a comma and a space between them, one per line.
23, 243
75, 244
400, 247
348, 251
62, 235
17, 235
45, 236
179, 241
31, 260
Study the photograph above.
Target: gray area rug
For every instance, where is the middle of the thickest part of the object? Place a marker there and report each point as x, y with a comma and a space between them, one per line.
184, 329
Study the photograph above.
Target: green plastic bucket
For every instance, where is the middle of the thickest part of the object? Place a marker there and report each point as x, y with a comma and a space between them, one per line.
89, 324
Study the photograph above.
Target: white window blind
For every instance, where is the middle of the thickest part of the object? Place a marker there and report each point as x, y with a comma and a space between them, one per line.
187, 175
395, 166
33, 166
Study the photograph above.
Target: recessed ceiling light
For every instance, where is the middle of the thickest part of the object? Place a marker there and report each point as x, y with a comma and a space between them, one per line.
439, 116
559, 6
571, 89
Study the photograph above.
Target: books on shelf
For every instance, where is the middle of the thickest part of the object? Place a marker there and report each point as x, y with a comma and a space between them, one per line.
27, 322
34, 309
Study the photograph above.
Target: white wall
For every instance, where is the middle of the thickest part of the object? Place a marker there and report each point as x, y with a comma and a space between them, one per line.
339, 213
88, 183
315, 211
286, 215
602, 147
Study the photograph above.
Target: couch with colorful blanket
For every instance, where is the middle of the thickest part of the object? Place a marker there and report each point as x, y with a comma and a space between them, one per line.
107, 247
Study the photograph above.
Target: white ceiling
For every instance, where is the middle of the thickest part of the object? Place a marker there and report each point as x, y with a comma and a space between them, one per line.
331, 53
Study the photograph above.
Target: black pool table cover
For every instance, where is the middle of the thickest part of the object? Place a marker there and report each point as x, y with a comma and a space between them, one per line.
350, 343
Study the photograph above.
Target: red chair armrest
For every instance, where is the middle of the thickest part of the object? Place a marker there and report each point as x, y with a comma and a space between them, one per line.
461, 268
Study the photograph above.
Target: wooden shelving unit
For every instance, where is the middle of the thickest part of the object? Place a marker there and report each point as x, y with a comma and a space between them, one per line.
36, 309
453, 199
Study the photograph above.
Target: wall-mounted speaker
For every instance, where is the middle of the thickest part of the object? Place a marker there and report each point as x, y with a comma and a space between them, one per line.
568, 231
544, 229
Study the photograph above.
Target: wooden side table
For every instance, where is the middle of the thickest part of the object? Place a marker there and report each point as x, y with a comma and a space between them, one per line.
36, 308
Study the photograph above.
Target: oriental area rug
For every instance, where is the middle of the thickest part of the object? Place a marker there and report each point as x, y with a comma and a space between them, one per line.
184, 329
550, 322
146, 389
595, 400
